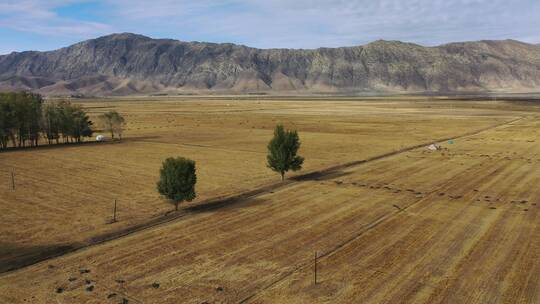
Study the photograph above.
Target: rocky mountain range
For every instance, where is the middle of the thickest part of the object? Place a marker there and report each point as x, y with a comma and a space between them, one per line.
124, 64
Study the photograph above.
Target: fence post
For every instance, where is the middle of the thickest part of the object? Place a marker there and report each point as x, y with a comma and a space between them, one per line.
315, 268
114, 213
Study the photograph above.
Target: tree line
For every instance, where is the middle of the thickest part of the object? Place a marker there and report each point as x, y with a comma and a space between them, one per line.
25, 119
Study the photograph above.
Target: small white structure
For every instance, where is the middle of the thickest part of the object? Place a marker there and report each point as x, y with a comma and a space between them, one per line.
433, 147
100, 138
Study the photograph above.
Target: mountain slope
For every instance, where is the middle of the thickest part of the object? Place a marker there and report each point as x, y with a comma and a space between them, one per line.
122, 64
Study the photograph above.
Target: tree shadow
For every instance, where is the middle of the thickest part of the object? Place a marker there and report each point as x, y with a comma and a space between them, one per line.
320, 176
58, 146
80, 144
139, 138
226, 204
14, 256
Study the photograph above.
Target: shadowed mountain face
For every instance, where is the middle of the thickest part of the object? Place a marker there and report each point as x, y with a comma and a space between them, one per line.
122, 64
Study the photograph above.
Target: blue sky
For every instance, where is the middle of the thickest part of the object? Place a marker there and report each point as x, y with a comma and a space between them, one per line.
50, 24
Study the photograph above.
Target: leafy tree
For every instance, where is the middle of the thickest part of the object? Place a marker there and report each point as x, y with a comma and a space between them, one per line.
21, 114
81, 124
106, 123
282, 151
113, 122
35, 103
74, 124
7, 123
177, 180
118, 123
67, 120
51, 122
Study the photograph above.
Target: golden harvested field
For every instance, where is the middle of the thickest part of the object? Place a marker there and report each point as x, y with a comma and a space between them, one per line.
456, 226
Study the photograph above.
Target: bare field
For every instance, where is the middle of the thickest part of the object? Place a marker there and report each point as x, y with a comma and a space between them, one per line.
458, 226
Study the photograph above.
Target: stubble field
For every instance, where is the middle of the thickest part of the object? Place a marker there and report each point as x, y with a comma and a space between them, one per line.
452, 226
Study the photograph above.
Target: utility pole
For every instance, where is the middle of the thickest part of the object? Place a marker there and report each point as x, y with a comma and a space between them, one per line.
114, 212
12, 180
315, 268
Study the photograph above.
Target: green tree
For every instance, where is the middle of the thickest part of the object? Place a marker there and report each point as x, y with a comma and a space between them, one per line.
282, 150
118, 123
24, 117
21, 116
82, 125
113, 122
177, 180
72, 120
35, 102
7, 122
51, 122
66, 120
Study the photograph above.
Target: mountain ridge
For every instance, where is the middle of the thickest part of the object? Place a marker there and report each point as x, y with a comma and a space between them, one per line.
126, 63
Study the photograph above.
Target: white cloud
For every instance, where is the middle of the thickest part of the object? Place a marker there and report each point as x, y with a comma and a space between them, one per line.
5, 51
285, 23
39, 17
303, 23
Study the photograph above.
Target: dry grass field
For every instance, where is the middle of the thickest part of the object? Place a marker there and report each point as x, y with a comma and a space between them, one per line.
453, 226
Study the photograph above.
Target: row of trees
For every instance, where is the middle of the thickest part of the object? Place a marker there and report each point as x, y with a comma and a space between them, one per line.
66, 122
113, 122
25, 118
178, 175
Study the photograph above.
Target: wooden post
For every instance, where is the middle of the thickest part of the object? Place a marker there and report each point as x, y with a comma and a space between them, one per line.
114, 213
315, 268
12, 180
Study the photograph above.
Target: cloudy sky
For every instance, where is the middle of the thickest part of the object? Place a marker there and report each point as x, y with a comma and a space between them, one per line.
50, 24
